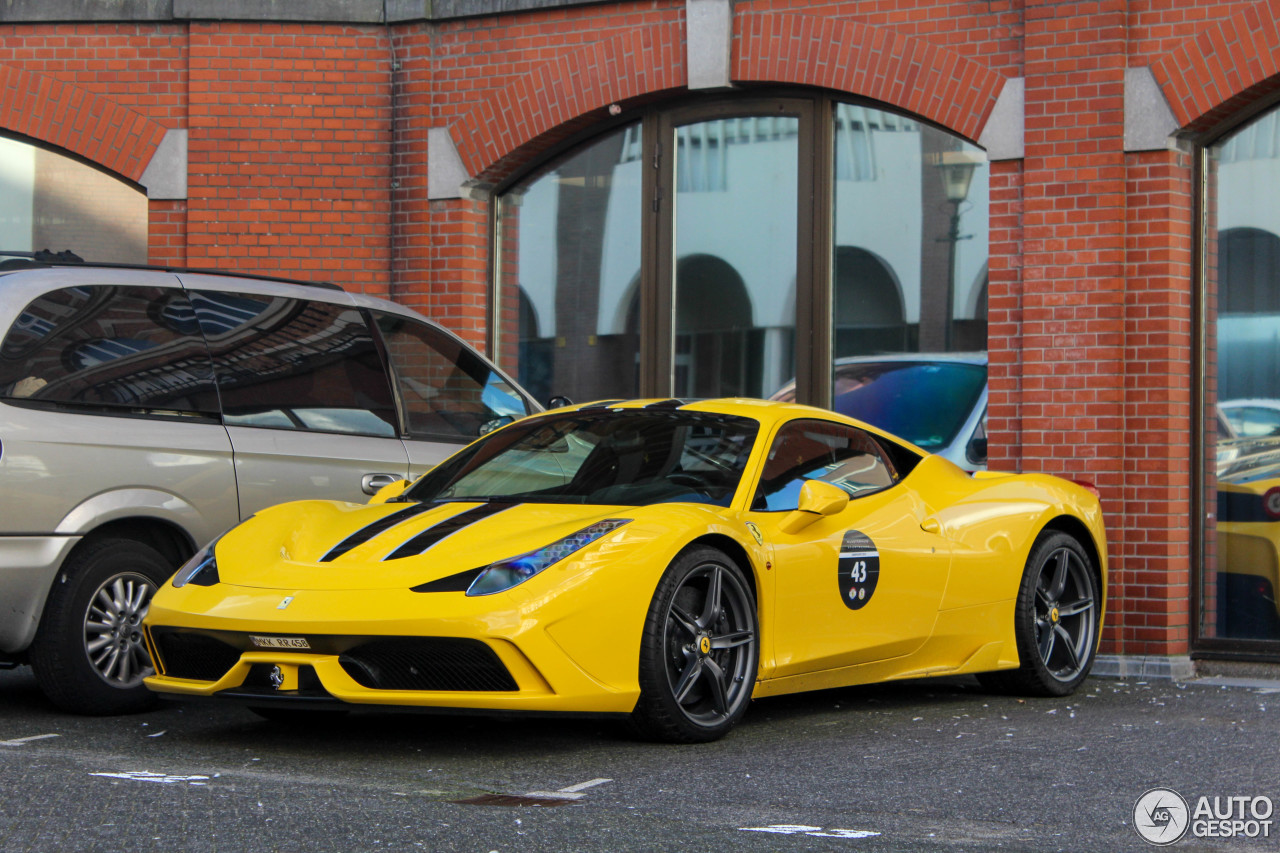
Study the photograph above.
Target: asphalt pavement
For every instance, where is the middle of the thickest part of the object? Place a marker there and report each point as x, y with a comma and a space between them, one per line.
918, 766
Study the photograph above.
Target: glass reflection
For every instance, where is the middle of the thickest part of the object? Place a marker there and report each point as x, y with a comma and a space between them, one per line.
1242, 386
735, 247
569, 271
48, 201
910, 276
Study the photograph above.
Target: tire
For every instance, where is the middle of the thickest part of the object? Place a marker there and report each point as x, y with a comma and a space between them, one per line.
699, 652
89, 656
1055, 620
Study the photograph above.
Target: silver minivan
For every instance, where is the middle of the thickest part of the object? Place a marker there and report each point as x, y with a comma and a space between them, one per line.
143, 411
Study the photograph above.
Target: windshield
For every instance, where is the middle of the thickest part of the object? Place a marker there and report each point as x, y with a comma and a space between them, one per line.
610, 457
924, 402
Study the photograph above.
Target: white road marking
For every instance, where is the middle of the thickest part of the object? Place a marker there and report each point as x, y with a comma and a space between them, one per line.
21, 740
803, 829
582, 786
573, 792
148, 776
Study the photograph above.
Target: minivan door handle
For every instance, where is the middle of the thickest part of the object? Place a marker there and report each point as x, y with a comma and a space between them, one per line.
370, 483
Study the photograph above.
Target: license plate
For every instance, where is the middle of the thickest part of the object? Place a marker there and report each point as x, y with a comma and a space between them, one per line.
279, 642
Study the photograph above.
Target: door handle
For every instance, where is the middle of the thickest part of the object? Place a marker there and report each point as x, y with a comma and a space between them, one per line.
370, 483
931, 525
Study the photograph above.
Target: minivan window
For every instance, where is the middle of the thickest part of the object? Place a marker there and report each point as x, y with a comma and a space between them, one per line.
108, 347
446, 389
295, 364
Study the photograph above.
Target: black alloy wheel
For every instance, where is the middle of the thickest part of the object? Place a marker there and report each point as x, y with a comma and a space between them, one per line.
700, 650
1056, 621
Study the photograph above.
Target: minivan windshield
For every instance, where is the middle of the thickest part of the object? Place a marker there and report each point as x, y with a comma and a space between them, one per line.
610, 457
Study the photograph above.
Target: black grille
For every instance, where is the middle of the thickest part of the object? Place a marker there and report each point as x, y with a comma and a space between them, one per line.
194, 656
427, 663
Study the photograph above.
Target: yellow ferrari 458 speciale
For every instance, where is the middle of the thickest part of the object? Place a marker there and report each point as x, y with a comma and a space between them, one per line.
659, 559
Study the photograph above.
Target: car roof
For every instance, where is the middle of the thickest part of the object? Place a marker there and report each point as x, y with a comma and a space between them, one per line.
68, 261
767, 412
979, 357
32, 278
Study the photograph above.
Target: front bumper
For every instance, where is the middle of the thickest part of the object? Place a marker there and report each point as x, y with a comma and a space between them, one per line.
393, 648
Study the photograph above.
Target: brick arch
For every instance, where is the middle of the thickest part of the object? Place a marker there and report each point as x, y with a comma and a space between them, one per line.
911, 74
1222, 69
567, 94
570, 93
92, 126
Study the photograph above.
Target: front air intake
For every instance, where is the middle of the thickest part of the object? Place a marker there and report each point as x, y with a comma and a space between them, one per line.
195, 656
427, 663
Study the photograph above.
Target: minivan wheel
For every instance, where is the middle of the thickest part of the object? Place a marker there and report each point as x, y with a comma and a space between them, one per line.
89, 656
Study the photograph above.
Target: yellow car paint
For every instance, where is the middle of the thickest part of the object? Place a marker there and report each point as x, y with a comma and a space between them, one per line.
951, 550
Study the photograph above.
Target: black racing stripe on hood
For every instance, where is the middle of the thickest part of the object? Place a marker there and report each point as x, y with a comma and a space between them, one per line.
448, 527
460, 582
369, 531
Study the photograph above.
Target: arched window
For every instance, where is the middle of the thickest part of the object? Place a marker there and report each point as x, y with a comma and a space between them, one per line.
50, 201
741, 247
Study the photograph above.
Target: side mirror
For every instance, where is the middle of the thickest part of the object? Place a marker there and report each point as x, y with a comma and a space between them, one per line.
559, 402
389, 491
977, 451
818, 499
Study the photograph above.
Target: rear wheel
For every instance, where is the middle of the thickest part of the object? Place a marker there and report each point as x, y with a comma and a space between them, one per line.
1056, 620
699, 652
89, 656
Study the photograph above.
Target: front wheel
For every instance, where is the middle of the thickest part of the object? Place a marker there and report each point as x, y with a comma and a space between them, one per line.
89, 656
1056, 620
699, 652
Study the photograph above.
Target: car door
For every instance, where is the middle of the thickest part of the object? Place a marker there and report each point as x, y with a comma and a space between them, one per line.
306, 400
863, 584
449, 393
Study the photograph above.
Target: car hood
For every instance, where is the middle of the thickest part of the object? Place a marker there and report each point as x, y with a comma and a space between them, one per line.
337, 546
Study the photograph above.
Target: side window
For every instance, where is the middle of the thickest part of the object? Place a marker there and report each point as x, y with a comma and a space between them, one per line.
820, 450
295, 364
447, 389
110, 348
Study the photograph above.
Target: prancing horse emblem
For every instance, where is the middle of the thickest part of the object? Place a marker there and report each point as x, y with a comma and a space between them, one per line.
277, 677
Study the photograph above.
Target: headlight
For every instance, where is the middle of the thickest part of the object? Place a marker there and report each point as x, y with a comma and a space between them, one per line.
201, 570
508, 573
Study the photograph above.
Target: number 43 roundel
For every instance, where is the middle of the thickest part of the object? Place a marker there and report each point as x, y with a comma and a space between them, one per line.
859, 569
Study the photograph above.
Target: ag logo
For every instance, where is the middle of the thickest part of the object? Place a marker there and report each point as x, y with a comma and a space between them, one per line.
1161, 816
859, 569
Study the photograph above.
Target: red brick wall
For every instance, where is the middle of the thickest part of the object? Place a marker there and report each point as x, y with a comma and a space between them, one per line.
308, 157
290, 151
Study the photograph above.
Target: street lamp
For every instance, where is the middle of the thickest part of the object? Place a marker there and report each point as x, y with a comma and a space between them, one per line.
956, 169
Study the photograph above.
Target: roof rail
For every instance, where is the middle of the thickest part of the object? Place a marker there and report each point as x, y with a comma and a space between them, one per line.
46, 258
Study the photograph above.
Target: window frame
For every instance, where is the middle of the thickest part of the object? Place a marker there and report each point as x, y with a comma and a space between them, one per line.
815, 220
1201, 644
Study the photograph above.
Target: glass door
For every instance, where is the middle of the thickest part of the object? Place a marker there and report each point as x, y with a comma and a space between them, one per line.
729, 248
